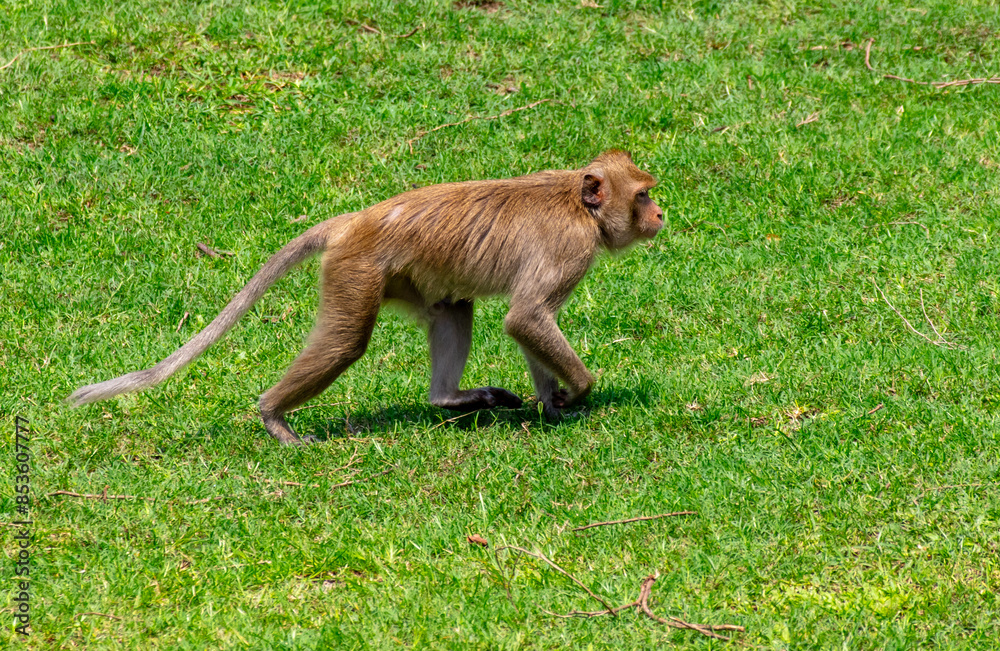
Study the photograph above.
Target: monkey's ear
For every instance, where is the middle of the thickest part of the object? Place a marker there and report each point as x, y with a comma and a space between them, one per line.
593, 190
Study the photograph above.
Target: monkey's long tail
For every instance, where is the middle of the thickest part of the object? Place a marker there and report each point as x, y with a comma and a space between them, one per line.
302, 247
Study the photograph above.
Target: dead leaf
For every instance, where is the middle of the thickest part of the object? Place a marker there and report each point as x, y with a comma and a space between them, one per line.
476, 539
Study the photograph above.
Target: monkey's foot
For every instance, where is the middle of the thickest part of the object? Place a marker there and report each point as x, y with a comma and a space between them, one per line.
558, 400
278, 428
476, 399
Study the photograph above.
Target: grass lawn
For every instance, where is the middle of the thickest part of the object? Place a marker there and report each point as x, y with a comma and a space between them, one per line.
806, 356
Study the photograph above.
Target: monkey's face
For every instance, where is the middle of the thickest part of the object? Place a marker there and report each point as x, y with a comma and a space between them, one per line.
616, 192
647, 218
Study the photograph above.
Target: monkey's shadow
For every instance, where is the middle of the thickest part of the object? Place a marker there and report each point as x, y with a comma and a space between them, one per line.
333, 423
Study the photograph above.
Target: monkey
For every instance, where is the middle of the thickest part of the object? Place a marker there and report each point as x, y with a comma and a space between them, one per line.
436, 249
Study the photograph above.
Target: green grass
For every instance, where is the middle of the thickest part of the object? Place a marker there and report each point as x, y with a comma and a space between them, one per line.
741, 354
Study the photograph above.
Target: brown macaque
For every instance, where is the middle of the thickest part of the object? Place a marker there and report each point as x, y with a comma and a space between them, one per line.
437, 248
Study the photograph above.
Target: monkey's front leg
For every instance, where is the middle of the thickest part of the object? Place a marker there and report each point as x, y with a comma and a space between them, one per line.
549, 357
450, 338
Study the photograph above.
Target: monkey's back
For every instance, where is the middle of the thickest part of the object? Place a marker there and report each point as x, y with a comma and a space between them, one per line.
479, 238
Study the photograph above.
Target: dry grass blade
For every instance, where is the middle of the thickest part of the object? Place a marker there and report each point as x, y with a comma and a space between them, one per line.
935, 84
592, 613
474, 117
640, 519
937, 342
361, 481
98, 615
966, 82
543, 557
104, 496
46, 47
950, 486
809, 120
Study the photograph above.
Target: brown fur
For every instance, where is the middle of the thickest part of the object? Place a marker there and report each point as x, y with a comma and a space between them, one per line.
436, 249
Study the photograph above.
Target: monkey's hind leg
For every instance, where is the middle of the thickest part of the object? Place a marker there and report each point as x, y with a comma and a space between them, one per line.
450, 338
344, 326
546, 385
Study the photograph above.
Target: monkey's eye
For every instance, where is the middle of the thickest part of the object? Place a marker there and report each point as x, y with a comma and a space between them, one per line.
643, 195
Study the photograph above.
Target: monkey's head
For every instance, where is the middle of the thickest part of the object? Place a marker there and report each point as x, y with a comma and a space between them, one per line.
616, 193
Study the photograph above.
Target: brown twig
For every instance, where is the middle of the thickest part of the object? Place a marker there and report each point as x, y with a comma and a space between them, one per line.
47, 47
642, 603
210, 252
936, 84
640, 519
950, 486
181, 322
408, 34
543, 557
647, 589
875, 408
938, 342
474, 117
